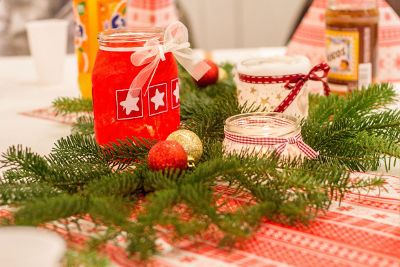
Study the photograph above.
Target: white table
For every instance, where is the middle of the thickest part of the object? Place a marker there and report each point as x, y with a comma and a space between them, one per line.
20, 92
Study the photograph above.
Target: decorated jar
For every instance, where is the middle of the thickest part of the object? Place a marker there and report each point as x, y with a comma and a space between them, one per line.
136, 85
278, 84
151, 111
262, 133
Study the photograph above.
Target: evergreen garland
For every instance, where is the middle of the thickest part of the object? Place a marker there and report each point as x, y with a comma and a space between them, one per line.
79, 177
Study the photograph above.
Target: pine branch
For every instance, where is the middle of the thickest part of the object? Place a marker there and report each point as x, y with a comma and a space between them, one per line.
207, 118
117, 184
20, 193
124, 153
50, 209
65, 105
78, 148
339, 128
110, 210
84, 125
357, 103
87, 258
381, 145
28, 164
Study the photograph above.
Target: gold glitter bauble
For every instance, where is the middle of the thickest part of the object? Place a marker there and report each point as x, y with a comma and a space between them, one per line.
190, 142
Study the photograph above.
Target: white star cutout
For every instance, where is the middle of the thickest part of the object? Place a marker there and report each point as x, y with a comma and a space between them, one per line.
176, 94
130, 104
158, 99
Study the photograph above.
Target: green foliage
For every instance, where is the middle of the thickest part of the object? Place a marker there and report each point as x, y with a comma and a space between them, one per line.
64, 105
50, 209
79, 177
84, 125
357, 130
86, 258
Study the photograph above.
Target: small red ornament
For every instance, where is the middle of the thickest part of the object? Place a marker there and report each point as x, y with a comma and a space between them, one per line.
167, 155
211, 77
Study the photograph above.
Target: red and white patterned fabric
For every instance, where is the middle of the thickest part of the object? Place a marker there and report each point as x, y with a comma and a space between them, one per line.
149, 13
309, 39
364, 230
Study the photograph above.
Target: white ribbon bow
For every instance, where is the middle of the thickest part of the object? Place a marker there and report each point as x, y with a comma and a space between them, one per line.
176, 41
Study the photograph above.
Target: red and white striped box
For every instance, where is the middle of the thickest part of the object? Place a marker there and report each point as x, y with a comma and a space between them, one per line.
151, 13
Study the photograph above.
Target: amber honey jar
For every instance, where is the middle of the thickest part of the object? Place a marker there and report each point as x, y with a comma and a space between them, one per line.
351, 43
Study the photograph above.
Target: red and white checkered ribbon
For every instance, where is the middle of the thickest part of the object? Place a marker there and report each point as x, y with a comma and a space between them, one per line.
280, 143
294, 83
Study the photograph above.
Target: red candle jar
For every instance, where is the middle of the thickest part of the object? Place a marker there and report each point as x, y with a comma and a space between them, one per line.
154, 111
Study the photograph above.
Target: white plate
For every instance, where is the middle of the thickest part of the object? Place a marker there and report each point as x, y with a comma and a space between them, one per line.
28, 246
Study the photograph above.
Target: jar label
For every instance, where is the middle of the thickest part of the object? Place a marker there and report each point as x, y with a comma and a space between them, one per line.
160, 99
343, 53
129, 108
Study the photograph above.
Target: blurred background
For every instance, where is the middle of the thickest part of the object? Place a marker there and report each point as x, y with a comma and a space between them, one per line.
242, 23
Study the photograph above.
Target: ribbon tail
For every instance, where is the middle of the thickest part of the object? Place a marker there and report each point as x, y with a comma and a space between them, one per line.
145, 75
307, 150
279, 150
196, 68
290, 97
327, 90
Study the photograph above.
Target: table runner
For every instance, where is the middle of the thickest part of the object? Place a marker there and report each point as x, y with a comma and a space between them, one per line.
362, 230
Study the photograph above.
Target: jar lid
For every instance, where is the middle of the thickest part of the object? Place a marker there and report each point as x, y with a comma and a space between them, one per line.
130, 36
263, 124
274, 66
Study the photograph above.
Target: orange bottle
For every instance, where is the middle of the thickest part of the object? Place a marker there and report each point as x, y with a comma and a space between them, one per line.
92, 17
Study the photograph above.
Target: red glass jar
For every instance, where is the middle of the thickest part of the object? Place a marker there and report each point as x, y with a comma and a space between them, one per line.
156, 112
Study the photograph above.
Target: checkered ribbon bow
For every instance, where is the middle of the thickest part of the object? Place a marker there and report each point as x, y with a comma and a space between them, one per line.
176, 41
297, 81
279, 142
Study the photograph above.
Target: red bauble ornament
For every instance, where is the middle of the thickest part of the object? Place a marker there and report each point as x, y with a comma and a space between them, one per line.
167, 155
211, 77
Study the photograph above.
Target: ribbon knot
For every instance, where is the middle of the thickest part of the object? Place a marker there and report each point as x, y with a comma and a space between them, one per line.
300, 79
297, 82
292, 140
161, 52
176, 41
298, 141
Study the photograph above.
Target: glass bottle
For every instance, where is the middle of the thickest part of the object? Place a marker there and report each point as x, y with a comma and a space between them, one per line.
92, 17
351, 43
